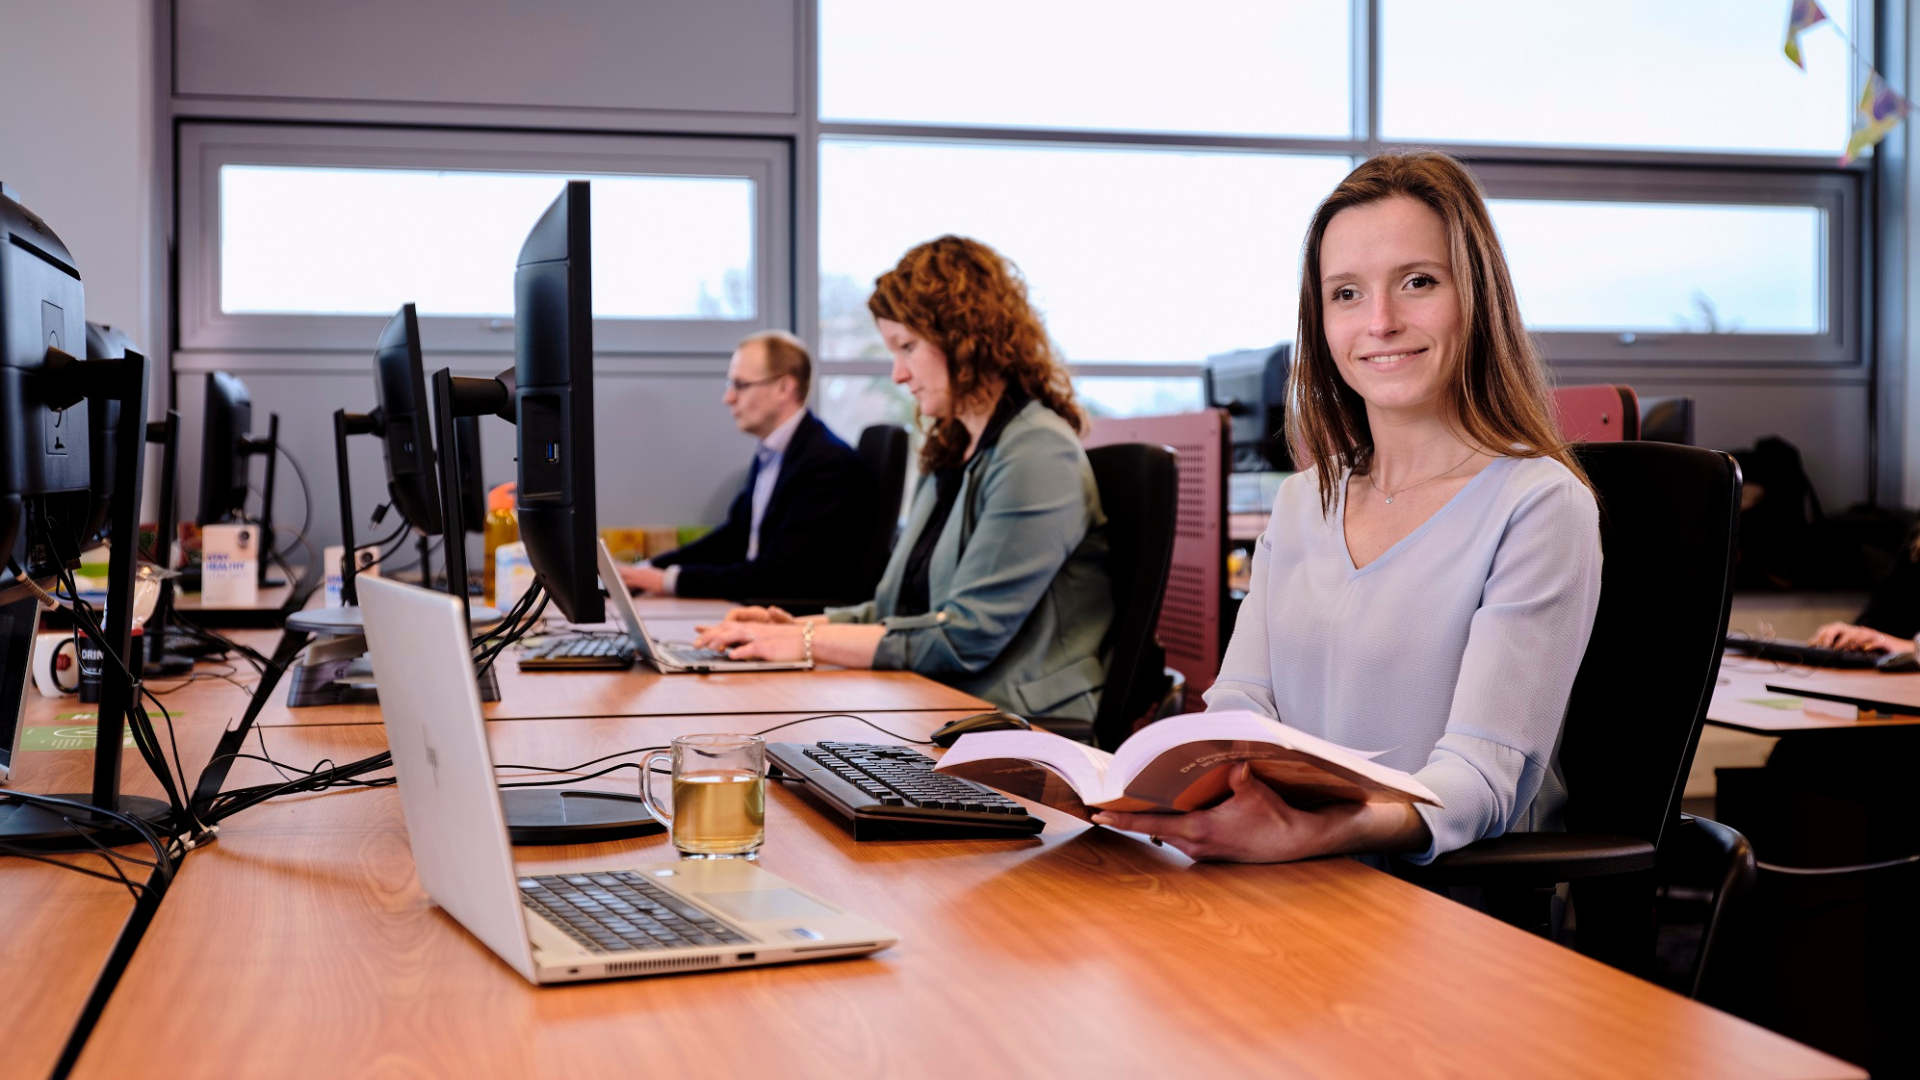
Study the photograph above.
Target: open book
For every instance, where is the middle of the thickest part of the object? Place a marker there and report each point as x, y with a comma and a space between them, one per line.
1178, 764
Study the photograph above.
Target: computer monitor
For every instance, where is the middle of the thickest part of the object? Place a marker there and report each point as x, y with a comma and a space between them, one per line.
18, 621
1251, 384
45, 471
400, 382
103, 420
44, 453
473, 485
225, 444
553, 404
1667, 419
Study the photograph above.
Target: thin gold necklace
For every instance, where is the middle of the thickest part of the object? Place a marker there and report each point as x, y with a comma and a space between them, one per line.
1410, 487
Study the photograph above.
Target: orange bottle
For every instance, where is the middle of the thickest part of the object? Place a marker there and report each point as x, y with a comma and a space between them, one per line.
501, 527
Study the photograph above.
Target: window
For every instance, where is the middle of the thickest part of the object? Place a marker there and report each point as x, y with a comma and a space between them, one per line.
1639, 265
1665, 181
1702, 75
1242, 67
664, 247
689, 254
1614, 266
1123, 259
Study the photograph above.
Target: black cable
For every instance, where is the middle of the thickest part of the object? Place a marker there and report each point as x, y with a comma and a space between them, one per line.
163, 862
381, 552
135, 717
228, 803
306, 500
762, 731
134, 887
199, 633
432, 545
634, 765
513, 614
487, 658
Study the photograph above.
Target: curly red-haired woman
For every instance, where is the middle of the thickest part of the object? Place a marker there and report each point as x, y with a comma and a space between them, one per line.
999, 584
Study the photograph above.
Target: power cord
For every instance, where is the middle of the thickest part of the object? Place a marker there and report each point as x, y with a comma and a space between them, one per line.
649, 749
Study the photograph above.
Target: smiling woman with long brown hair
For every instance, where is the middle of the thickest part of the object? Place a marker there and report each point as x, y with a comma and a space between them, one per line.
1427, 583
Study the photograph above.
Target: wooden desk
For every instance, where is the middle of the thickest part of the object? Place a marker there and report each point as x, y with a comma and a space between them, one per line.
645, 692
641, 691
306, 948
1743, 702
60, 926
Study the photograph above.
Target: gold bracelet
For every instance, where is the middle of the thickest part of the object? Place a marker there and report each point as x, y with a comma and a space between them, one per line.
806, 641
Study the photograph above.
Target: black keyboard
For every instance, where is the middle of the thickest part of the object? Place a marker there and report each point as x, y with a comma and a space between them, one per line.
579, 654
622, 911
892, 793
1799, 652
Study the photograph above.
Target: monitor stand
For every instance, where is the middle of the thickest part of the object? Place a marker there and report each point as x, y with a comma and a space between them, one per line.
334, 670
546, 816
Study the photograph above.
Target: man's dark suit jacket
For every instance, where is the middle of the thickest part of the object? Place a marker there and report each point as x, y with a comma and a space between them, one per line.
813, 539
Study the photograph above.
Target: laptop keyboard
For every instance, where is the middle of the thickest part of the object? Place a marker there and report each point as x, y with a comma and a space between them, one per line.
622, 911
688, 656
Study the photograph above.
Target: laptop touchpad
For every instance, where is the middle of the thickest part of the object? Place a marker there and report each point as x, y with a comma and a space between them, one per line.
758, 905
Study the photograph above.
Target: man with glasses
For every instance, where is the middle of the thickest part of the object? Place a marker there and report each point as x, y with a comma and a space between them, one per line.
798, 528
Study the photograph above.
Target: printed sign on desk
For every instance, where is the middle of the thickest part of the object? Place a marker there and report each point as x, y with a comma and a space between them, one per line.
230, 566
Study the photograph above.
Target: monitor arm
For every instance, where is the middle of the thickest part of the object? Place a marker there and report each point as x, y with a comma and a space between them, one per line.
483, 397
68, 381
345, 424
454, 397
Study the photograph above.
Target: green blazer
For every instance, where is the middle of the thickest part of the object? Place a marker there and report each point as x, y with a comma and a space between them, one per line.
1021, 601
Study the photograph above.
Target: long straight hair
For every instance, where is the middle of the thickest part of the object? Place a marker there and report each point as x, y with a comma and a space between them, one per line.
1496, 392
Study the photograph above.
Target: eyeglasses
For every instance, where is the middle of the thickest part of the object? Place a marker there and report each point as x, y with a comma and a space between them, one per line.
740, 386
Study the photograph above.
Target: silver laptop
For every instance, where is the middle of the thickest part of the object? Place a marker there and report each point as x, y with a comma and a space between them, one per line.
683, 916
671, 657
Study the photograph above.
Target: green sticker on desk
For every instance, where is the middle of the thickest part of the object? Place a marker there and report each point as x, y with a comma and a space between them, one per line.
75, 737
1784, 704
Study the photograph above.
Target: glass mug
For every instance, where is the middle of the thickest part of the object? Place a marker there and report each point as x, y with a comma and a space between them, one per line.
719, 795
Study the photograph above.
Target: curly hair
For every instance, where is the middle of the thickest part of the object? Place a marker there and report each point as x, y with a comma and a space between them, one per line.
970, 302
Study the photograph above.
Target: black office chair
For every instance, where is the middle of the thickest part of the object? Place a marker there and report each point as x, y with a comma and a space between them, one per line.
883, 449
1668, 517
1139, 490
1719, 860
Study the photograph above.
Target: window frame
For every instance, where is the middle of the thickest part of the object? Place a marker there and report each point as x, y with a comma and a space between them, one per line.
1578, 173
1836, 193
207, 146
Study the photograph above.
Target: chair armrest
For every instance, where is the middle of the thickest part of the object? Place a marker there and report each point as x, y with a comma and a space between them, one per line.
1535, 858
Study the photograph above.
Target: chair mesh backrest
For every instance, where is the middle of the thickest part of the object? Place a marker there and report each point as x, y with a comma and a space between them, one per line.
1668, 516
883, 449
1138, 486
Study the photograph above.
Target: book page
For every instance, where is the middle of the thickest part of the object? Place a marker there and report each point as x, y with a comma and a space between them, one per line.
1181, 763
1082, 766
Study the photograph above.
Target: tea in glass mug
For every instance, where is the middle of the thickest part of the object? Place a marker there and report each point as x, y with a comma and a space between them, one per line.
719, 795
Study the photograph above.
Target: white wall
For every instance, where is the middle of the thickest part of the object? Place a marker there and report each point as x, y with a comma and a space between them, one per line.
667, 452
76, 145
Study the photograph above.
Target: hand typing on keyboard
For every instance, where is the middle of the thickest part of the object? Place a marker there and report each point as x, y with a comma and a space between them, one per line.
1838, 635
772, 634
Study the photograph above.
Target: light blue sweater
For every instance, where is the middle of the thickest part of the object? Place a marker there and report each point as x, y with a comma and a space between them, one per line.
1452, 654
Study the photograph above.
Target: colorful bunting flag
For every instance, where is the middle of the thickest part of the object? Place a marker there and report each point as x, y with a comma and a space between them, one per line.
1880, 110
1804, 15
